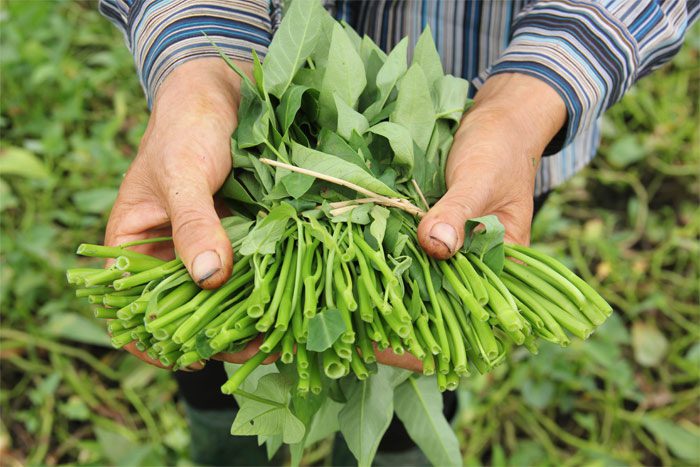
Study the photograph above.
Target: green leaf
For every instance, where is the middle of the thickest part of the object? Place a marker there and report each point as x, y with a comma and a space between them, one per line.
366, 416
331, 143
426, 55
349, 119
324, 329
77, 328
325, 422
401, 143
18, 161
95, 201
414, 106
233, 189
451, 97
626, 151
336, 167
377, 228
294, 41
391, 71
344, 75
254, 120
236, 227
649, 344
289, 106
682, 443
538, 394
487, 244
297, 184
266, 233
418, 404
269, 414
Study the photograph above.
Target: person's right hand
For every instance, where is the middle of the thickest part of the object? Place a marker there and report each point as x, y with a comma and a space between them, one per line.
183, 159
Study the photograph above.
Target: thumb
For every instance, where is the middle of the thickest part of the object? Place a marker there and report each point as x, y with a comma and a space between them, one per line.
441, 231
199, 238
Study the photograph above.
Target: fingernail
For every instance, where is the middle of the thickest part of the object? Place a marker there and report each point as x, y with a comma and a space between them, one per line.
445, 234
205, 265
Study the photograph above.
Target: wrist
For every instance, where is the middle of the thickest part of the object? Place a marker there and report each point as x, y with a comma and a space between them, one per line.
527, 112
201, 86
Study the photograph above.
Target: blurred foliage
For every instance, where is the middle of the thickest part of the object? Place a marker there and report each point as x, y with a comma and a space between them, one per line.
71, 117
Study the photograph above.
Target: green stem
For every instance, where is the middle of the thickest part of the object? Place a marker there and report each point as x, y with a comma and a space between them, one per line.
231, 386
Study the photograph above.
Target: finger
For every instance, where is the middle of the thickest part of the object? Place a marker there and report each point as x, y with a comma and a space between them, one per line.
405, 361
199, 238
441, 231
131, 348
246, 354
517, 220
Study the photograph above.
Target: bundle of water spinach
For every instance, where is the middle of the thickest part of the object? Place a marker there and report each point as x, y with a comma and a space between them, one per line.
339, 150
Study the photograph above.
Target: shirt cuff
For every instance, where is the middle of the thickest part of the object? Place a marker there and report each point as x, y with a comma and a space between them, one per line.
165, 34
578, 48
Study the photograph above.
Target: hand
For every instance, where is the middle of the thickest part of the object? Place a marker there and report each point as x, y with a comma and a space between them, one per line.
183, 159
491, 169
493, 162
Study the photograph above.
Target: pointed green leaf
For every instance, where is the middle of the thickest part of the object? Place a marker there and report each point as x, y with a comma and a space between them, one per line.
349, 119
294, 41
414, 106
324, 329
344, 75
336, 167
18, 161
254, 118
269, 413
289, 106
426, 55
401, 143
418, 404
451, 97
366, 417
266, 233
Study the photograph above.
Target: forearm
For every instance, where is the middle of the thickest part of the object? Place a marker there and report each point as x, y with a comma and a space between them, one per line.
162, 35
521, 113
592, 52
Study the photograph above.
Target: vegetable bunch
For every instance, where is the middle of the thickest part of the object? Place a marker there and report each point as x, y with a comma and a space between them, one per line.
338, 144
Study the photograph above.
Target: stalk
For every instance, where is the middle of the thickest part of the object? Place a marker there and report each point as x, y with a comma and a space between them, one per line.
332, 366
506, 315
358, 367
104, 313
315, 382
99, 251
149, 275
459, 357
243, 372
467, 298
538, 307
206, 311
492, 279
363, 342
474, 280
287, 354
554, 277
268, 318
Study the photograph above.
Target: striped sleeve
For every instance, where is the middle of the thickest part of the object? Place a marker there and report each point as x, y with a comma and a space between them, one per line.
591, 51
162, 34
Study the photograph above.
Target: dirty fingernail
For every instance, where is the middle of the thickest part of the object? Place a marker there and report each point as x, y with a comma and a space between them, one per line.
445, 234
205, 265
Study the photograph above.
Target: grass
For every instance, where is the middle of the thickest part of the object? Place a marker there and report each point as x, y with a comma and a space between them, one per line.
72, 115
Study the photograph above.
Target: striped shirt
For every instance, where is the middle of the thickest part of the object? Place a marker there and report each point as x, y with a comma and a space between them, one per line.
590, 51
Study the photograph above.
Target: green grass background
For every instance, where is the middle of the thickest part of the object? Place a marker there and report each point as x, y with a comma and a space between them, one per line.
72, 114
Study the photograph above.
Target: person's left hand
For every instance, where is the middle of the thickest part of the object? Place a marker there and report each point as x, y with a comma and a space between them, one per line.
491, 169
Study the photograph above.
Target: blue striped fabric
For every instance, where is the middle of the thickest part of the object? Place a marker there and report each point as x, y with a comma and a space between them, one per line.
590, 51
